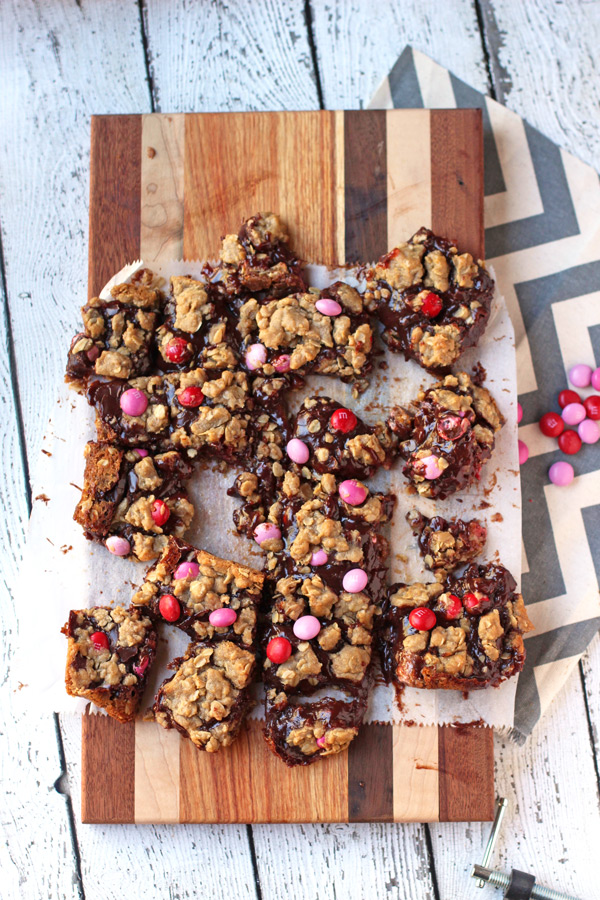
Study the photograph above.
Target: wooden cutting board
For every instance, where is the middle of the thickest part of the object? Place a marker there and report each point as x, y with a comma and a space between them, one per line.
351, 185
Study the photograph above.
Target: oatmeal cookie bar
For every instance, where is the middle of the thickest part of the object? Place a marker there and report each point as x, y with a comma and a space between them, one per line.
462, 634
453, 434
135, 496
433, 301
447, 544
109, 655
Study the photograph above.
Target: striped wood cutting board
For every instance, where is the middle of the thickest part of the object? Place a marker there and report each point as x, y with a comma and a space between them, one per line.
351, 185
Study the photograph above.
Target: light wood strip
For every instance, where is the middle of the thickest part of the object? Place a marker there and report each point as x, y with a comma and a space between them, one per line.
416, 774
156, 774
408, 173
161, 225
340, 187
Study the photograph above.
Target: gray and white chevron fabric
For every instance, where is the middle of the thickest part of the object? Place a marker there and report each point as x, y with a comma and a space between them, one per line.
542, 218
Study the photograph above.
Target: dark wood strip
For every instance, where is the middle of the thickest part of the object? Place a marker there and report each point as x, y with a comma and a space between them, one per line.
466, 767
107, 770
457, 177
115, 201
365, 189
370, 775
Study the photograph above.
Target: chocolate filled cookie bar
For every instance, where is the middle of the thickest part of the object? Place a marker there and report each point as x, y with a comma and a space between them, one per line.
209, 598
109, 655
131, 501
433, 301
208, 697
447, 544
462, 634
453, 434
118, 336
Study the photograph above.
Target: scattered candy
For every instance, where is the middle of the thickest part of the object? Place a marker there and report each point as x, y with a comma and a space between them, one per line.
343, 420
453, 606
451, 428
93, 353
177, 350
523, 453
141, 666
190, 397
569, 442
186, 570
256, 356
279, 650
580, 375
355, 581
519, 412
169, 608
573, 413
160, 512
282, 363
321, 742
422, 618
307, 627
432, 305
140, 452
222, 618
592, 406
133, 402
566, 397
430, 466
588, 431
551, 424
100, 640
328, 307
353, 492
472, 601
118, 545
561, 473
319, 558
596, 379
266, 531
297, 451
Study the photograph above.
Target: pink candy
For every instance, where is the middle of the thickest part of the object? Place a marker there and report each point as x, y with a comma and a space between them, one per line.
523, 453
319, 558
140, 452
561, 473
355, 581
266, 531
256, 356
282, 363
307, 627
519, 412
321, 742
580, 376
328, 307
186, 570
596, 379
431, 467
588, 431
133, 402
573, 413
222, 618
118, 545
353, 492
297, 451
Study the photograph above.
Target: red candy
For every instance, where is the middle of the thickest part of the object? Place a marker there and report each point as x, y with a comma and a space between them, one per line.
190, 397
453, 607
432, 305
343, 420
569, 442
169, 608
592, 406
177, 350
160, 512
551, 424
566, 397
100, 640
279, 650
472, 601
422, 619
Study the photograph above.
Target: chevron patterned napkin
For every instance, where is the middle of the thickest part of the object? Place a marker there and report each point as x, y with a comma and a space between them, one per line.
542, 237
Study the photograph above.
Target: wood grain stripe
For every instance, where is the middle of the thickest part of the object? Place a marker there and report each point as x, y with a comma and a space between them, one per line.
416, 775
408, 173
162, 160
370, 775
115, 178
107, 770
156, 773
366, 184
466, 755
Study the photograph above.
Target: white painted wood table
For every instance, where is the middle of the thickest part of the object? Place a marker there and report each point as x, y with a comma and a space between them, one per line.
61, 61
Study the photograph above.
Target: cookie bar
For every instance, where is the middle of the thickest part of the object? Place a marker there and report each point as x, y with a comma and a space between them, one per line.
453, 434
433, 301
447, 544
462, 634
208, 697
109, 655
209, 598
117, 341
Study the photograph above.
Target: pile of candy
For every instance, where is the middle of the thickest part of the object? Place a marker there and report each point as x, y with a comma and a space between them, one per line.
584, 414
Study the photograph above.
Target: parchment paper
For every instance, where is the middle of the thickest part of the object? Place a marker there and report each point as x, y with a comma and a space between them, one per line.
63, 571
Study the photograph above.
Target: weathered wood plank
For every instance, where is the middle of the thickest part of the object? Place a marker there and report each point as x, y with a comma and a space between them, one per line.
591, 683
